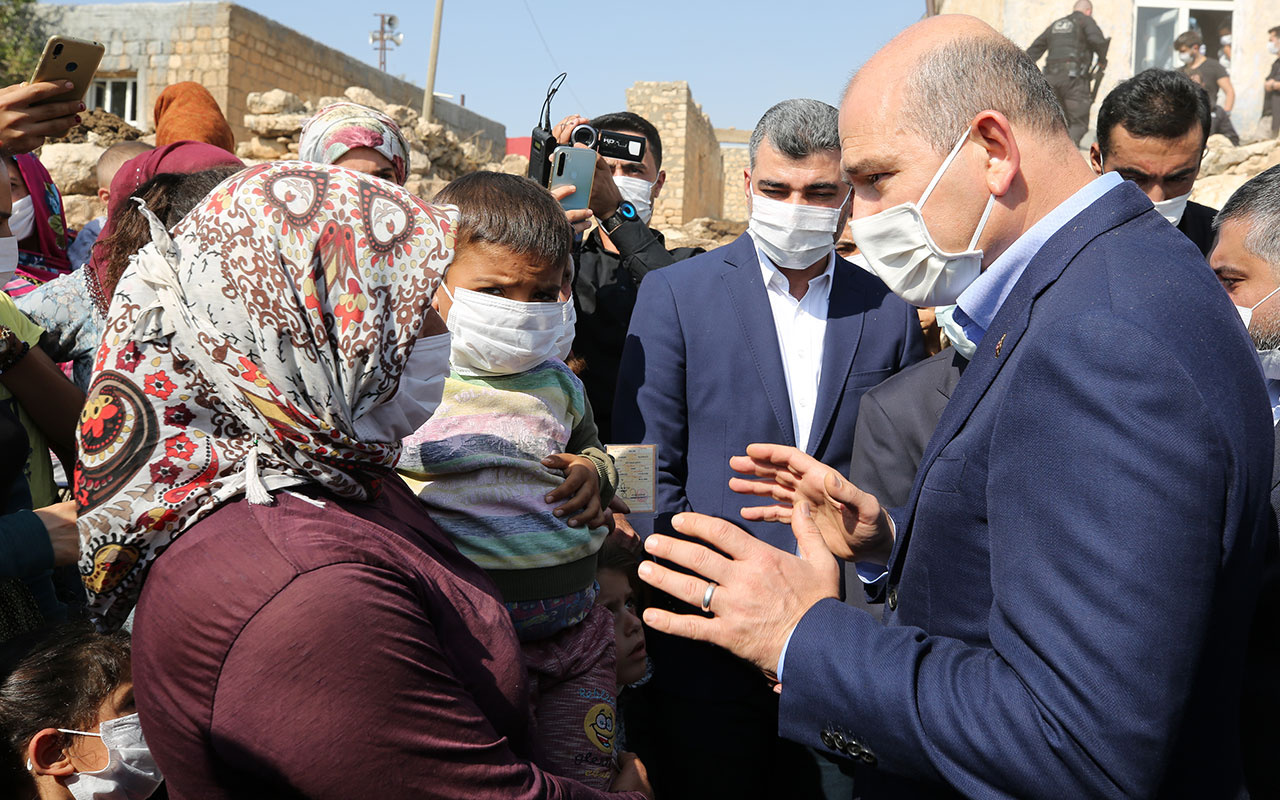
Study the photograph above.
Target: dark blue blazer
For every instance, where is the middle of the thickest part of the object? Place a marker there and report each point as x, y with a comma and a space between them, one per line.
702, 378
1075, 573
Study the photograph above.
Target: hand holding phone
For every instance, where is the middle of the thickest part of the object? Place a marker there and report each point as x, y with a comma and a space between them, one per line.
67, 59
576, 167
27, 115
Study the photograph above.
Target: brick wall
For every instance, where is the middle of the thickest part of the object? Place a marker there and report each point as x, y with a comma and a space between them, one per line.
690, 152
734, 159
233, 51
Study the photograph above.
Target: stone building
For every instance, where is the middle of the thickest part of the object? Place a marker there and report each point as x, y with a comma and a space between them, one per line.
1142, 34
232, 51
690, 152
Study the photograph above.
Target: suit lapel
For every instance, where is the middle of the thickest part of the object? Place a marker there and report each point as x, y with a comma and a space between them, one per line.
1115, 208
751, 305
839, 344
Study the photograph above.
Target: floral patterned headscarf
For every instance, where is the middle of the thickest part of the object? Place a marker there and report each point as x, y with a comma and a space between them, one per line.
340, 127
238, 354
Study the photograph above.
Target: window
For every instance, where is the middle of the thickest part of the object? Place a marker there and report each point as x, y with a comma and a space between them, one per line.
116, 95
1158, 22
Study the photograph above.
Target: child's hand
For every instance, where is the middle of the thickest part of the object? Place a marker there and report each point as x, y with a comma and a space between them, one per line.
582, 487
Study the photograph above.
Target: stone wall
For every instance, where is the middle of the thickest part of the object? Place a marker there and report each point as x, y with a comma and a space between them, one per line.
233, 51
690, 152
734, 159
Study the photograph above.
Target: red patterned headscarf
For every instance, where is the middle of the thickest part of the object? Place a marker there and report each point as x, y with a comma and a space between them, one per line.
49, 259
238, 355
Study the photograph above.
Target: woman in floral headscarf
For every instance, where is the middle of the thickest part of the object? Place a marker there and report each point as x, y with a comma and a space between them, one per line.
304, 629
38, 224
356, 137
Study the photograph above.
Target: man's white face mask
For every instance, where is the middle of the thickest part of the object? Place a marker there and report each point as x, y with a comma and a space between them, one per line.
900, 251
792, 235
1173, 208
639, 193
8, 258
22, 219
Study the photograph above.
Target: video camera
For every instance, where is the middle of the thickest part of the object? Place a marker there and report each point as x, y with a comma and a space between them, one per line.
609, 144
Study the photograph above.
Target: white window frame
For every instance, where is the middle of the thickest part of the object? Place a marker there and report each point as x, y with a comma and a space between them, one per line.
107, 84
1184, 8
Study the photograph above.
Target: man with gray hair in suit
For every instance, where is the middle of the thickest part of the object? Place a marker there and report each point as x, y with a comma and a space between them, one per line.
1246, 259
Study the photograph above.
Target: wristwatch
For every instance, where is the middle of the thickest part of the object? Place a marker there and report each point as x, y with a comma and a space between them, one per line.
625, 213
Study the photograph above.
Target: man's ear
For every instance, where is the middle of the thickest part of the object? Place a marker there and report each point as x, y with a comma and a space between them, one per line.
104, 195
1095, 158
1004, 161
659, 183
746, 187
47, 754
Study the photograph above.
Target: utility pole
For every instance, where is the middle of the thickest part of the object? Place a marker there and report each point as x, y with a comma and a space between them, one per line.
385, 35
429, 96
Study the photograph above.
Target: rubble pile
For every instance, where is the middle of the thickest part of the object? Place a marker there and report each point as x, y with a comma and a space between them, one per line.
437, 155
1226, 167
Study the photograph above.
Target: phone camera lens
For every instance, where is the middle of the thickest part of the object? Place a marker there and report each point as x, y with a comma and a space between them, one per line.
71, 66
57, 49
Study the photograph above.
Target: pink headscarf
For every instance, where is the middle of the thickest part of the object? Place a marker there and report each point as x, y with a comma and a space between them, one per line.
182, 157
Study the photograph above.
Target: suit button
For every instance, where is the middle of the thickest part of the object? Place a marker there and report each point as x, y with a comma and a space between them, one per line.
828, 740
837, 742
868, 758
854, 750
892, 599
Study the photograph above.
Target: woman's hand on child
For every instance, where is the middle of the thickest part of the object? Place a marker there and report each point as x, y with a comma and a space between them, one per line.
582, 488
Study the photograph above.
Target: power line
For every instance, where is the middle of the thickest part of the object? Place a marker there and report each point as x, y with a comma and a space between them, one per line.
550, 55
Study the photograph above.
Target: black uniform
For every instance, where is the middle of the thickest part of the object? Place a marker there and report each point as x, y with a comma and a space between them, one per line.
1070, 43
604, 293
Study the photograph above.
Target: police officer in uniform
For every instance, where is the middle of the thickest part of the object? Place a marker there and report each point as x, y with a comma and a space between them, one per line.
1070, 43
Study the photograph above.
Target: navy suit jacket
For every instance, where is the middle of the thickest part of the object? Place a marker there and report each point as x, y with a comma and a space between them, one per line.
702, 378
1074, 576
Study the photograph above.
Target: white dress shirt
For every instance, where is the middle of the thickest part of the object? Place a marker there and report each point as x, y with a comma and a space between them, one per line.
801, 326
1273, 392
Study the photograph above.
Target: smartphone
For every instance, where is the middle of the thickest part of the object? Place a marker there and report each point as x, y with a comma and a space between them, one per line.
576, 167
68, 59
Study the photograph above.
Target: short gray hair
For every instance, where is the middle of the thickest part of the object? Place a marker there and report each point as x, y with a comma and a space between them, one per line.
1083, 5
797, 129
957, 80
1257, 202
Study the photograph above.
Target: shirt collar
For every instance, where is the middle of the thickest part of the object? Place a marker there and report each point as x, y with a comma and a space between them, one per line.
979, 303
775, 279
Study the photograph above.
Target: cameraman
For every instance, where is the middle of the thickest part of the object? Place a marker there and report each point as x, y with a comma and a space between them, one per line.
615, 257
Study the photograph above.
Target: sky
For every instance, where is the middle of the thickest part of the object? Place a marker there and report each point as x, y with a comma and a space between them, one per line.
739, 57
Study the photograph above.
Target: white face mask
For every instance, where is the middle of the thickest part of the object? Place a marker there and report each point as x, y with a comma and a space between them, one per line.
1246, 312
639, 193
496, 336
1273, 48
416, 399
1186, 57
564, 345
131, 774
946, 316
8, 258
1173, 208
22, 220
900, 251
793, 236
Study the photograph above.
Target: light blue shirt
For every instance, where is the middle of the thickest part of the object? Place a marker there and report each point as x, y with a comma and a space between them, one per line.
1273, 392
981, 301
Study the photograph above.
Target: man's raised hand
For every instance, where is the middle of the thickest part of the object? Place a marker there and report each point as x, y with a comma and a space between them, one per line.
760, 592
853, 524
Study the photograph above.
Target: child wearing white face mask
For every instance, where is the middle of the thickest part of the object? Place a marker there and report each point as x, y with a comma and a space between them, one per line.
67, 712
511, 465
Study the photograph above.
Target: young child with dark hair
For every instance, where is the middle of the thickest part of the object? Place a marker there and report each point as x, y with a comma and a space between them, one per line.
67, 718
512, 438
